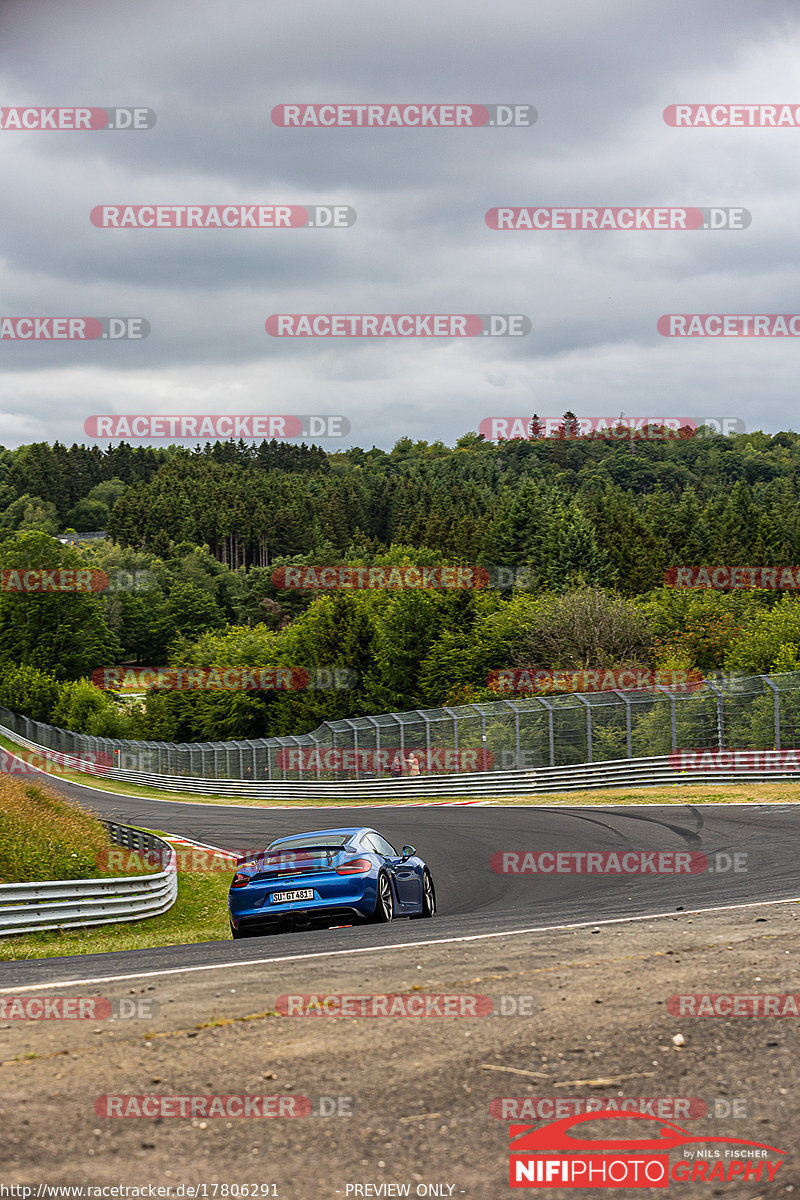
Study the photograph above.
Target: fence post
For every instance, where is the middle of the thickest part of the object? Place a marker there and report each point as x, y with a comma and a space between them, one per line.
776, 709
420, 713
299, 745
402, 736
550, 729
673, 722
483, 732
585, 702
313, 737
377, 744
720, 715
354, 729
627, 703
515, 711
455, 717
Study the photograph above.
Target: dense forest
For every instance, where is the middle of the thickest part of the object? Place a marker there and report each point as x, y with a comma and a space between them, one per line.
597, 522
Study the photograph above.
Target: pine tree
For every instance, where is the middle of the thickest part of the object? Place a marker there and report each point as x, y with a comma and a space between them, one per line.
535, 429
575, 554
569, 427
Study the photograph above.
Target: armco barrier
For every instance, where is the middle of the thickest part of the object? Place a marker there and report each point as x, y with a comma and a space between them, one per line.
510, 734
642, 772
70, 903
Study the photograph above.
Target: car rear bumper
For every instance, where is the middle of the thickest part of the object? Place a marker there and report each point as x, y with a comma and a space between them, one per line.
334, 895
297, 918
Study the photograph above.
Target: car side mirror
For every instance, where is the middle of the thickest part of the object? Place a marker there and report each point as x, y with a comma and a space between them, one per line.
408, 851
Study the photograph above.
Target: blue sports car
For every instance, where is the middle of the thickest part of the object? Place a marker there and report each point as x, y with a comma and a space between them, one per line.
326, 877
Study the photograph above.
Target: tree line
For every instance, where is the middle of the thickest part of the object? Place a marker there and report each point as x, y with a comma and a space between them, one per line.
596, 523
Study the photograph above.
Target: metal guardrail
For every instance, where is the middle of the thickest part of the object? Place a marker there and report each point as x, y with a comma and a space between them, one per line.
657, 771
72, 903
510, 734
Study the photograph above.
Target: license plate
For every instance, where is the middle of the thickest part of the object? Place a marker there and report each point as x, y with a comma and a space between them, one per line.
283, 897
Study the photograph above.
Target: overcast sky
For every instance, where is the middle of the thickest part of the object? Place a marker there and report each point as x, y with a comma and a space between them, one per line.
599, 76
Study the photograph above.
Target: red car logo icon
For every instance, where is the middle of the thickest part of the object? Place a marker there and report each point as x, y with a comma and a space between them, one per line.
557, 1136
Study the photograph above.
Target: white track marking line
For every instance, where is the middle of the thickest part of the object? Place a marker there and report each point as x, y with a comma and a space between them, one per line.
473, 937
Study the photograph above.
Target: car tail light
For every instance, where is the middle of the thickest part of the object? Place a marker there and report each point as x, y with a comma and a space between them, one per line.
240, 880
355, 866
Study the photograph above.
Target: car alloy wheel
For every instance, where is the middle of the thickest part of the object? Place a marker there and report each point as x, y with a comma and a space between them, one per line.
384, 904
428, 896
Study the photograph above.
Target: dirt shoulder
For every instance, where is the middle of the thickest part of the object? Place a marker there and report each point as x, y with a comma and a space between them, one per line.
419, 1087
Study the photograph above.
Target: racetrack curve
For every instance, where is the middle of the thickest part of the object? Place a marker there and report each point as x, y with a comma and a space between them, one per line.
458, 843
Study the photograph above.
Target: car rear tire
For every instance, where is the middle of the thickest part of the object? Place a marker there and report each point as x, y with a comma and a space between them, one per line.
384, 901
428, 897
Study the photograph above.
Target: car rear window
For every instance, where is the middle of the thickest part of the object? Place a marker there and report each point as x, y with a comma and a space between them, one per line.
306, 843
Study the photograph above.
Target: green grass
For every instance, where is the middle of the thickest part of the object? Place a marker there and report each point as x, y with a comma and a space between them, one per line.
779, 792
42, 837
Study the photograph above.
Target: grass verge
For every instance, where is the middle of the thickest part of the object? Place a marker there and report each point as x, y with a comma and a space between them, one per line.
778, 792
42, 837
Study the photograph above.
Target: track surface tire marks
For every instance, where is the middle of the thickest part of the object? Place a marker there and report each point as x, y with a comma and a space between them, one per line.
458, 844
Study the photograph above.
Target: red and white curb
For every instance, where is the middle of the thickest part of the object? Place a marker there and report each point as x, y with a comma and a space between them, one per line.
338, 807
188, 844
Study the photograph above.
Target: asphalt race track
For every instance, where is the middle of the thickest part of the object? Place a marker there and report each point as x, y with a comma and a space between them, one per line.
473, 900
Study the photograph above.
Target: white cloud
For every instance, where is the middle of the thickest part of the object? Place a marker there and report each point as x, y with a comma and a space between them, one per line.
599, 76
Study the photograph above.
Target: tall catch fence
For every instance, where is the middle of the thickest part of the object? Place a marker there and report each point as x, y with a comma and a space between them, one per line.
744, 712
